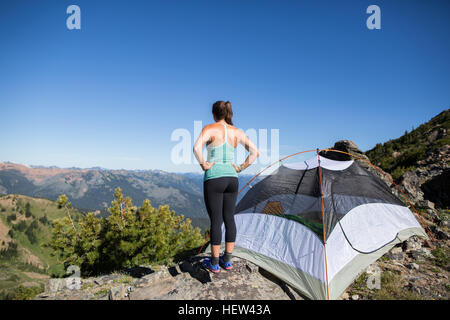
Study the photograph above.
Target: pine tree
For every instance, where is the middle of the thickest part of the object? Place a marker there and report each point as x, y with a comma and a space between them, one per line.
28, 210
130, 236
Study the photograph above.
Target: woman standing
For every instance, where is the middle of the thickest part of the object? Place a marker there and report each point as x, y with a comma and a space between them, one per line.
220, 182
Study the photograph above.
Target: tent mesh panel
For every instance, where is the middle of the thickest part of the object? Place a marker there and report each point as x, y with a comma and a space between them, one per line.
295, 194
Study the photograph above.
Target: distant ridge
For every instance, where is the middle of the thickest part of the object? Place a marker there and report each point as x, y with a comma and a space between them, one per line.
92, 188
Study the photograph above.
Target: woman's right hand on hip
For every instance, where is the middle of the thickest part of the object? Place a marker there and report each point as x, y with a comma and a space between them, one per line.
206, 165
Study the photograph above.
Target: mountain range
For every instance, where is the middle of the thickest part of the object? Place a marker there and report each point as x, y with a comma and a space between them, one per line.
92, 189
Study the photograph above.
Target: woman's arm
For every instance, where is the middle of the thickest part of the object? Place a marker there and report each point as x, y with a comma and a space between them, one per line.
251, 148
198, 147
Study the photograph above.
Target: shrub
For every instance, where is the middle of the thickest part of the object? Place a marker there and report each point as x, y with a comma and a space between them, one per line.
28, 210
10, 252
21, 226
128, 237
11, 217
442, 257
31, 235
22, 293
44, 219
392, 288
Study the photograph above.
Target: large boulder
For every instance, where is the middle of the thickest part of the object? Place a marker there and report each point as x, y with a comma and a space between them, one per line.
437, 189
347, 146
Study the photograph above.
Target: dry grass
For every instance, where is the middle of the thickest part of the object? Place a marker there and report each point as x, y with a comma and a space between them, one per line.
4, 235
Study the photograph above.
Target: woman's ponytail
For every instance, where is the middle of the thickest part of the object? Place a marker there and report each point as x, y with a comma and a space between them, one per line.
229, 113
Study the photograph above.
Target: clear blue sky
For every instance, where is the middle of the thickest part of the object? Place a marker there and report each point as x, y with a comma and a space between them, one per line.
112, 93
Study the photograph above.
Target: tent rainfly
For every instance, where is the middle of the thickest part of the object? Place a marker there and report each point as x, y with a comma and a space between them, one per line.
317, 224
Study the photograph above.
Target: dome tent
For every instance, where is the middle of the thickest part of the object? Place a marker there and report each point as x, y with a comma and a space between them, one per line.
317, 224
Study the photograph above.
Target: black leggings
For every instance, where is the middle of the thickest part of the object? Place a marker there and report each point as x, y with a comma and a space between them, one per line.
220, 200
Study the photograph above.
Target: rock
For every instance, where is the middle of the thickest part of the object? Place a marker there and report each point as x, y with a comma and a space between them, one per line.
440, 234
355, 297
426, 252
117, 293
395, 263
345, 296
421, 254
413, 266
428, 244
396, 254
425, 204
434, 216
251, 267
55, 285
186, 281
373, 269
412, 243
410, 183
347, 146
445, 223
437, 188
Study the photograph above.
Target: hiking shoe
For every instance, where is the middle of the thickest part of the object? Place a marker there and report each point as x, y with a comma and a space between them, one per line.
225, 265
211, 267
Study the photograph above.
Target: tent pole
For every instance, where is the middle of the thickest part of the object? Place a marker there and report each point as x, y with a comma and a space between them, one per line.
323, 225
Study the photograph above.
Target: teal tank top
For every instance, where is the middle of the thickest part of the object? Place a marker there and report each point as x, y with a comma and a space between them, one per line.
223, 155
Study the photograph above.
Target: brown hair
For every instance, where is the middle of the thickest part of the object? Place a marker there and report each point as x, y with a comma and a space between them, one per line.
222, 110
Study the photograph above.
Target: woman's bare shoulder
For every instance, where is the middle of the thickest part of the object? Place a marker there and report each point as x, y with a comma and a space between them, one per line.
236, 131
209, 126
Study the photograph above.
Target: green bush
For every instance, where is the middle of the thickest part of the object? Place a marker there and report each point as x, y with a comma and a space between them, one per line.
28, 210
10, 252
44, 219
21, 226
11, 217
22, 293
31, 235
128, 237
442, 257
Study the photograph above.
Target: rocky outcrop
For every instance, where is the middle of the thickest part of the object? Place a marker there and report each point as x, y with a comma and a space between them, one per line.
437, 188
347, 146
186, 280
430, 182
